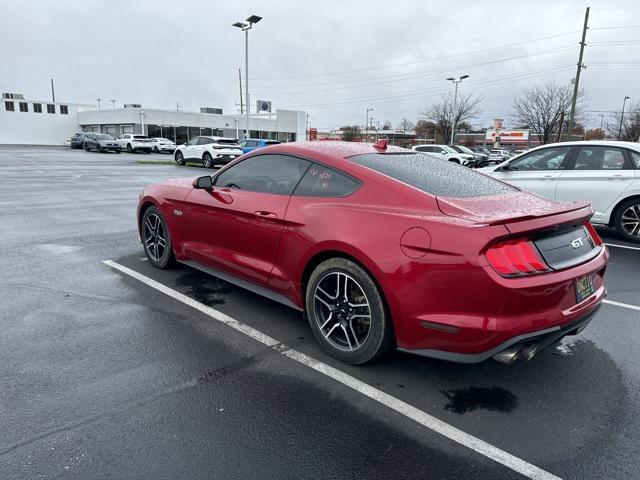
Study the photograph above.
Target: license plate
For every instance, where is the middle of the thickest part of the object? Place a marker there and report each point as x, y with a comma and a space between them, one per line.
585, 287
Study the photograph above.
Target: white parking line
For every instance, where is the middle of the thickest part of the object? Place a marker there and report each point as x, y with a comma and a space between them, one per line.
514, 463
621, 246
620, 304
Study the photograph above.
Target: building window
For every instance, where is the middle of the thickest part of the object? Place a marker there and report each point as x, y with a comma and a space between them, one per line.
64, 110
51, 108
24, 106
37, 107
8, 106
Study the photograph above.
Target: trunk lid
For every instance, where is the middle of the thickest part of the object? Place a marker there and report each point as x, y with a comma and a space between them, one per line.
557, 229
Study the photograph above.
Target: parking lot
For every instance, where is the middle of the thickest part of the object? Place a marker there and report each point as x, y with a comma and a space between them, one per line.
120, 370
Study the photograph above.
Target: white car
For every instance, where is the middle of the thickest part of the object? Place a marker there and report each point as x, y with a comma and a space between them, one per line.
605, 173
210, 151
499, 156
445, 152
162, 145
135, 143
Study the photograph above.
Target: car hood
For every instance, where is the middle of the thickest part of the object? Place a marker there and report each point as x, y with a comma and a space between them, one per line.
180, 182
502, 209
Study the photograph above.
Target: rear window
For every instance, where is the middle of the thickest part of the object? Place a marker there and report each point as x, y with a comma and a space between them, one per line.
432, 175
226, 141
139, 136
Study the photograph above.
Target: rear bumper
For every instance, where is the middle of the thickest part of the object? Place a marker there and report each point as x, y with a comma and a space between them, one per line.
469, 317
544, 338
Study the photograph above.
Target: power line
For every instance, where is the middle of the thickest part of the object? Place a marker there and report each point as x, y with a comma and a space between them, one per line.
431, 72
413, 62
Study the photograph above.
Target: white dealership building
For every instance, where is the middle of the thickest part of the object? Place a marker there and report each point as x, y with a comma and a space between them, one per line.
35, 122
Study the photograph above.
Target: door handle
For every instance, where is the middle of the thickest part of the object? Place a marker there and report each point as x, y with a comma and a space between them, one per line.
548, 177
616, 177
262, 215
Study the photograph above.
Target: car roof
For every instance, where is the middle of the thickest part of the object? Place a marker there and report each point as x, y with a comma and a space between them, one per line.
330, 148
603, 143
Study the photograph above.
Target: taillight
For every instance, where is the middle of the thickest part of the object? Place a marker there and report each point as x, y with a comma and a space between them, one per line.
515, 258
592, 231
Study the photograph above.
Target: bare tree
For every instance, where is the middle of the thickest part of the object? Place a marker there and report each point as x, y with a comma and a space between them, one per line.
630, 131
442, 113
350, 133
406, 125
545, 108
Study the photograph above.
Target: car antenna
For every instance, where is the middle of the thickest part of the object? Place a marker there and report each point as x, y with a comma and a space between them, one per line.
381, 144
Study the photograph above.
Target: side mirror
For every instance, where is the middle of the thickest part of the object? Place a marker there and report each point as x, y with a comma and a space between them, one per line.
203, 183
505, 167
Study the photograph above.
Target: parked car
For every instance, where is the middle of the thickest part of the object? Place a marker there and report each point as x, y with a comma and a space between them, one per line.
499, 155
383, 247
101, 142
481, 150
605, 173
251, 144
66, 142
445, 152
479, 159
135, 143
77, 141
162, 145
211, 151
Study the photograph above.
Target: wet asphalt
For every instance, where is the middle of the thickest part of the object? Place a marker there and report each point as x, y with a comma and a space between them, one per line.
104, 377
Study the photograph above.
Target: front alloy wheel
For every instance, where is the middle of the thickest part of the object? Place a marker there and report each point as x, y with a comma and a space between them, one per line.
627, 220
179, 158
155, 238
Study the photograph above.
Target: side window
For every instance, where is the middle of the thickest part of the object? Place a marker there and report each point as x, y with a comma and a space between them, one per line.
277, 174
599, 158
193, 141
423, 149
243, 143
635, 158
545, 159
321, 181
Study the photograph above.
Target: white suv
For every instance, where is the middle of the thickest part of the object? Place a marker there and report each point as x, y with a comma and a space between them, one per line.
162, 145
210, 151
135, 143
445, 152
605, 173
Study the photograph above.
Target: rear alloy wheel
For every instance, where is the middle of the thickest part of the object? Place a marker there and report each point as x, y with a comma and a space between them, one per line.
156, 239
179, 158
627, 220
346, 312
129, 149
207, 160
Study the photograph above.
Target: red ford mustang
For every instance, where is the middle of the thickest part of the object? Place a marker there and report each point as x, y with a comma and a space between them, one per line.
385, 247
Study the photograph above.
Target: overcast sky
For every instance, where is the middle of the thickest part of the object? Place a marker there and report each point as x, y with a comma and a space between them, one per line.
332, 59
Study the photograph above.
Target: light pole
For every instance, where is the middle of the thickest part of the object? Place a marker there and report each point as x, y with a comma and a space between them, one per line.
366, 123
98, 100
113, 103
245, 27
626, 97
455, 100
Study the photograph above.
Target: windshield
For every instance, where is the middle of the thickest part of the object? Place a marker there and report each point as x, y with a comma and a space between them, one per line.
463, 149
104, 136
432, 175
139, 136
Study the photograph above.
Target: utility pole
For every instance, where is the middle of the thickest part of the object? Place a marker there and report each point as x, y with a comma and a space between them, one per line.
366, 123
240, 79
53, 92
576, 85
307, 136
626, 97
177, 106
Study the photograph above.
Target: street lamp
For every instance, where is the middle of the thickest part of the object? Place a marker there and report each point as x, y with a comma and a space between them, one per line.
455, 99
245, 27
366, 123
98, 100
626, 97
113, 103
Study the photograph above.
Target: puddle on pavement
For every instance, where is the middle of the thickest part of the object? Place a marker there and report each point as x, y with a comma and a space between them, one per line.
205, 288
468, 399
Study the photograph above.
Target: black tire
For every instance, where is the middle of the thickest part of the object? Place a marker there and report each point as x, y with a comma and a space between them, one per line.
155, 149
98, 149
86, 148
207, 160
164, 257
118, 151
179, 158
624, 220
129, 149
379, 338
454, 160
147, 151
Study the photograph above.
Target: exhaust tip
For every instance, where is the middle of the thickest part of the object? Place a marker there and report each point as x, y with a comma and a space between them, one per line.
509, 355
